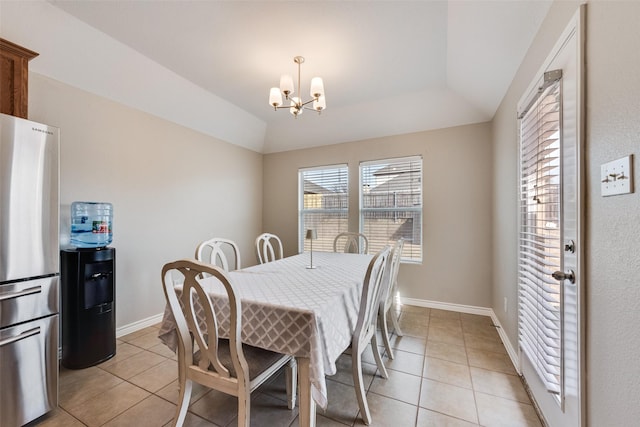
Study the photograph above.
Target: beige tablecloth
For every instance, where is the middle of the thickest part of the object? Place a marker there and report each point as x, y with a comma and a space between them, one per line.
290, 309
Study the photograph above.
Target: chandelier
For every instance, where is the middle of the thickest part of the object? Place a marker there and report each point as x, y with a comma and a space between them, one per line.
297, 105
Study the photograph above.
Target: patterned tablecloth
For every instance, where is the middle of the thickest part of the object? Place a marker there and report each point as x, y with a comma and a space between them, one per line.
290, 309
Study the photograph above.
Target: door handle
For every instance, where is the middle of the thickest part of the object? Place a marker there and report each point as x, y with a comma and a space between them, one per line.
570, 246
26, 334
567, 275
22, 293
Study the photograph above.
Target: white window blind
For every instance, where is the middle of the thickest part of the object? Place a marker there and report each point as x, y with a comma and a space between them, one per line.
391, 204
324, 205
540, 234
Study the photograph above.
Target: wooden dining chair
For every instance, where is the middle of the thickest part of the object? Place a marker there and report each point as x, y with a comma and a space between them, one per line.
356, 243
365, 331
216, 251
390, 288
226, 365
265, 248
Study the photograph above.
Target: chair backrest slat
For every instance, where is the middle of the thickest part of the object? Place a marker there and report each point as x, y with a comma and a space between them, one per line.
390, 282
215, 251
265, 248
190, 299
353, 243
370, 299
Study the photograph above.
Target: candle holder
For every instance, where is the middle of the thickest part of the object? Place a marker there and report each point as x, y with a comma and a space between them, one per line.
311, 234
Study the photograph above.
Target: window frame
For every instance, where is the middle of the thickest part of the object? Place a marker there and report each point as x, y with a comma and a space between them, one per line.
417, 209
302, 211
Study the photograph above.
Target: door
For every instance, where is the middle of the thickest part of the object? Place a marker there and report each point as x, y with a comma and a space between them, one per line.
28, 199
29, 370
549, 249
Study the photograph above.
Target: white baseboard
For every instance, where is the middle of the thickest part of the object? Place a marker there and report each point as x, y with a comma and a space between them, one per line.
512, 352
470, 309
140, 324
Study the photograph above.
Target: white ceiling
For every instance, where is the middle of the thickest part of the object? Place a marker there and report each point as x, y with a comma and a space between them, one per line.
389, 67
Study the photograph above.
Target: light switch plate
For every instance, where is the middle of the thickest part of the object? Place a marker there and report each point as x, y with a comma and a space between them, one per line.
616, 177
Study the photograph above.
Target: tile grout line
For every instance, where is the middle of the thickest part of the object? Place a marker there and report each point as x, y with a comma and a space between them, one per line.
473, 388
424, 360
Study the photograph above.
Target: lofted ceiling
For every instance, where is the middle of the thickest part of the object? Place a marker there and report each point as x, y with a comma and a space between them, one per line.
389, 67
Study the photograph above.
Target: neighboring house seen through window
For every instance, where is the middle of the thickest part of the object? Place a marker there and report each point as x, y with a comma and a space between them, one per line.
391, 204
323, 205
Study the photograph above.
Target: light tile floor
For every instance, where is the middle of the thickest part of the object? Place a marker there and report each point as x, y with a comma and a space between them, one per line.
450, 369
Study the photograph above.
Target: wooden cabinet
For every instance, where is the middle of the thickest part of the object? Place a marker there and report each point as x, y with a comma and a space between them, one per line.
14, 78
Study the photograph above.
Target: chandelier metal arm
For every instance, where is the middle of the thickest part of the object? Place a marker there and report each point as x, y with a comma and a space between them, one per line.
308, 102
299, 105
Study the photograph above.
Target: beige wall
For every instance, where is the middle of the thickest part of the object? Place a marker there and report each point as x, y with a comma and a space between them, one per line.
171, 187
457, 206
505, 158
611, 297
613, 223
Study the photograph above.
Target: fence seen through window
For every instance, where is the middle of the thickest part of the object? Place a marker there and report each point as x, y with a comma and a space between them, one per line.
391, 204
324, 205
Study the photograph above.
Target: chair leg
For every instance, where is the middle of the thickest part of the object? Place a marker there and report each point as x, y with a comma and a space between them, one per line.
382, 318
183, 401
244, 408
396, 323
291, 378
376, 355
356, 368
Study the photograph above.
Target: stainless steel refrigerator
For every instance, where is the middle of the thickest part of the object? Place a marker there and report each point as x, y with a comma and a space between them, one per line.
29, 269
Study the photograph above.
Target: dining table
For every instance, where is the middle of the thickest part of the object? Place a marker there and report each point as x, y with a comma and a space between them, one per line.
289, 308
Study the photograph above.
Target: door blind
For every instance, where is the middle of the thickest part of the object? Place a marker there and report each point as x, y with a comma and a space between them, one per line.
540, 235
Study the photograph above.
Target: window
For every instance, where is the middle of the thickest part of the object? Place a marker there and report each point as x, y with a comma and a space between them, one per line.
540, 241
391, 204
323, 205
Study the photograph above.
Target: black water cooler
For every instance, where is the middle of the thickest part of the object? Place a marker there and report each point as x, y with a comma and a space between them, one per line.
88, 306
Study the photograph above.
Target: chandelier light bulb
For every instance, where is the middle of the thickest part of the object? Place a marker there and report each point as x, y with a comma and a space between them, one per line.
275, 97
286, 85
320, 104
295, 106
317, 87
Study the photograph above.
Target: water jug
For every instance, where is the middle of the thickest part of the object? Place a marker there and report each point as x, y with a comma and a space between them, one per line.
91, 224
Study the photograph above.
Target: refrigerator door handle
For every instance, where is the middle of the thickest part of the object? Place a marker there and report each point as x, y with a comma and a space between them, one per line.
24, 292
25, 334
